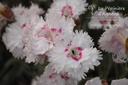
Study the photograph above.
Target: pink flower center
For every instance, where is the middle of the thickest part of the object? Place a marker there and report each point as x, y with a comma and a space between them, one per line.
64, 77
39, 33
56, 31
66, 49
103, 22
75, 53
52, 75
44, 27
53, 29
60, 30
79, 48
67, 11
69, 43
23, 26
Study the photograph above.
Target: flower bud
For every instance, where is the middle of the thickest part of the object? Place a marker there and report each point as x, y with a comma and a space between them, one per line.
5, 11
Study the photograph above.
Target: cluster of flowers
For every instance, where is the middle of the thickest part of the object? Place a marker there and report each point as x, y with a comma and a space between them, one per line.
115, 38
70, 53
32, 38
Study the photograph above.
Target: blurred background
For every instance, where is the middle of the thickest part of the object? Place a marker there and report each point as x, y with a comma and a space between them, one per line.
17, 72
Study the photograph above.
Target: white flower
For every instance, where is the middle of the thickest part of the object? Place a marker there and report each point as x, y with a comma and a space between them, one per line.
19, 10
113, 40
94, 81
28, 38
59, 25
27, 12
68, 8
123, 81
37, 39
74, 55
12, 38
36, 46
35, 8
109, 41
102, 19
98, 81
51, 78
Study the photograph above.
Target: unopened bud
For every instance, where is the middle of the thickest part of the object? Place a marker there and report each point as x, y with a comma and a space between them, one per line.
6, 12
126, 46
104, 82
77, 22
